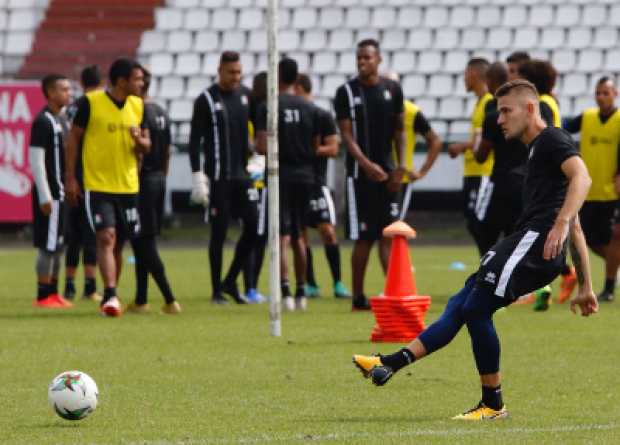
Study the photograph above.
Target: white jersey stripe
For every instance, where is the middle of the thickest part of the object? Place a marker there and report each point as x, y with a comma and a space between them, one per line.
52, 226
89, 214
406, 201
352, 203
331, 208
57, 154
485, 193
517, 255
347, 87
216, 135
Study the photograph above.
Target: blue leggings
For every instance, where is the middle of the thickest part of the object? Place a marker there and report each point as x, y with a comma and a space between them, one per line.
474, 307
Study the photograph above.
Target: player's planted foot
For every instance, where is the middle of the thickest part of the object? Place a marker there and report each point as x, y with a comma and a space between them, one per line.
111, 308
49, 303
69, 290
171, 308
605, 296
62, 301
136, 308
92, 297
483, 412
218, 299
312, 291
341, 291
255, 297
360, 303
543, 298
231, 289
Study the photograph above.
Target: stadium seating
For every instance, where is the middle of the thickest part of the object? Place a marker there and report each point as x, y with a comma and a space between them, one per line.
19, 20
427, 42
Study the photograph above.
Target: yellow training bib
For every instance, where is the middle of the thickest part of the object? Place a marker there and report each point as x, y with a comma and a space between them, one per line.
472, 167
108, 156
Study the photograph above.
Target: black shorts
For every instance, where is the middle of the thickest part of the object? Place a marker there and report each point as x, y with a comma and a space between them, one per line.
48, 230
370, 208
515, 266
597, 219
321, 208
233, 200
471, 187
151, 203
77, 228
113, 210
498, 208
294, 208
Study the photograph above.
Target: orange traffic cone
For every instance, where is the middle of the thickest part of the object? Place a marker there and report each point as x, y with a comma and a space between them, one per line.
399, 312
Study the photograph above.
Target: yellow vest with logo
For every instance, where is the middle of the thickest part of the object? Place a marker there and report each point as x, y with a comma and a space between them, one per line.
549, 100
599, 150
108, 157
472, 167
411, 111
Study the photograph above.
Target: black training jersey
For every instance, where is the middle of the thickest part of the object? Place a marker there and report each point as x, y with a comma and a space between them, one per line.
298, 130
545, 185
374, 112
510, 155
327, 127
158, 124
220, 125
46, 133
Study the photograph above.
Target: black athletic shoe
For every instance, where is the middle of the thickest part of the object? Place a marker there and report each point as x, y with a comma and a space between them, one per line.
380, 375
218, 299
360, 303
605, 296
69, 293
231, 289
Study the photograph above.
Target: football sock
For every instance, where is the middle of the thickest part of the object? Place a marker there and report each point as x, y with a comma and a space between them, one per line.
54, 286
108, 293
492, 397
610, 285
310, 267
43, 291
300, 291
69, 286
286, 290
90, 286
399, 359
216, 246
332, 252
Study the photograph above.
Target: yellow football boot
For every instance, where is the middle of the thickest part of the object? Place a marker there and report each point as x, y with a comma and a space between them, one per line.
482, 412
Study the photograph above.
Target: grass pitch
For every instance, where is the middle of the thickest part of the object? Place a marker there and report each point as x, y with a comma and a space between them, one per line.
214, 375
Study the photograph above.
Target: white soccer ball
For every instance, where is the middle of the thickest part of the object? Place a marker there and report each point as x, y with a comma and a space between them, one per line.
73, 395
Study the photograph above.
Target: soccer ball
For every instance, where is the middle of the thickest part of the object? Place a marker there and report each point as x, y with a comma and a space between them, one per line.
73, 395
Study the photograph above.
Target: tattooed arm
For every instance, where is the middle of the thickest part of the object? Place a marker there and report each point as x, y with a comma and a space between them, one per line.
585, 298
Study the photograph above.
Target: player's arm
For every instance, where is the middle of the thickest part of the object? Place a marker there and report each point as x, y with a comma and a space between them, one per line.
329, 146
373, 170
400, 141
585, 298
329, 139
167, 143
200, 185
141, 137
72, 149
261, 129
485, 143
573, 125
36, 157
433, 143
578, 185
457, 148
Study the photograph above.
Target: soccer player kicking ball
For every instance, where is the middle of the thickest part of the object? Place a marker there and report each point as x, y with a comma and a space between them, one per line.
556, 186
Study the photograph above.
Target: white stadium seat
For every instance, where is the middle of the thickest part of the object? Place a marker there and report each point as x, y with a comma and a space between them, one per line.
459, 129
409, 17
428, 106
541, 16
590, 61
224, 19
206, 41
213, 4
515, 16
4, 19
347, 63
440, 85
251, 19
563, 60
605, 37
23, 19
614, 15
304, 18
151, 42
289, 40
455, 61
303, 60
429, 62
314, 40
489, 17
499, 38
183, 3
473, 38
330, 84
196, 85
161, 64
594, 15
357, 18
196, 19
171, 88
446, 39
579, 38
331, 18
341, 40
324, 62
240, 4
420, 39
257, 41
179, 41
233, 40
552, 38
394, 39
168, 18
248, 62
383, 18
462, 17
404, 61
526, 38
436, 17
181, 110
567, 15
210, 64
414, 85
451, 108
574, 84
187, 64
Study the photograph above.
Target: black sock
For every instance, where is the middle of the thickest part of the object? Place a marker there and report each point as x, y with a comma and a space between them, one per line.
90, 286
43, 291
610, 285
300, 291
286, 290
332, 252
310, 267
492, 397
108, 293
69, 286
54, 286
399, 359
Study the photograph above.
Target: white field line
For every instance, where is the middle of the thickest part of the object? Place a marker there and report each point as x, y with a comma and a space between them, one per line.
374, 436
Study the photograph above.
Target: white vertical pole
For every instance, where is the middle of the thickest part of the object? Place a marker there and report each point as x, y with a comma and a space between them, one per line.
272, 171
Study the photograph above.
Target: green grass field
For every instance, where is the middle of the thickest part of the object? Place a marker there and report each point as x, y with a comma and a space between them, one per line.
214, 375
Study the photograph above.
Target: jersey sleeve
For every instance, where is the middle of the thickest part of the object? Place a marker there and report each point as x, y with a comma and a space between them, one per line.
261, 117
399, 99
197, 131
41, 133
82, 113
491, 131
547, 114
573, 125
327, 124
421, 124
341, 104
561, 147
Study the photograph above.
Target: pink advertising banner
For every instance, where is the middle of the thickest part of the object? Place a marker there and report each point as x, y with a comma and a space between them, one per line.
20, 102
